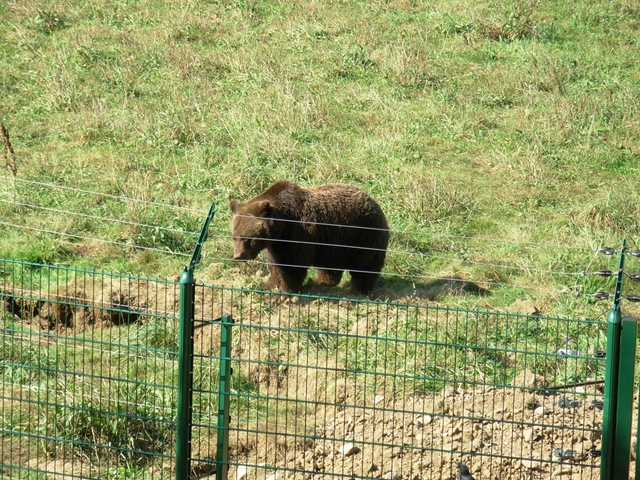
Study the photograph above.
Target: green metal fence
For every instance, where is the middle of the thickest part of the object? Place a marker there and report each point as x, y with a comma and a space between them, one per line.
286, 386
88, 365
328, 388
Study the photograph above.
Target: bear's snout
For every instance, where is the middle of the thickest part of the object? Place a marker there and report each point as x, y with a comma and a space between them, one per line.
239, 255
242, 254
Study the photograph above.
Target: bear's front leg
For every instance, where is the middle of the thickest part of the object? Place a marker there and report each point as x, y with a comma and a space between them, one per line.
286, 277
291, 278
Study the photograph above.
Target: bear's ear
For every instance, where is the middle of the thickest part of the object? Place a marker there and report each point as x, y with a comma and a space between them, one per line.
233, 204
263, 209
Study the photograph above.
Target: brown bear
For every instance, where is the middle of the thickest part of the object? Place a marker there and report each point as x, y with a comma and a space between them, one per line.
331, 227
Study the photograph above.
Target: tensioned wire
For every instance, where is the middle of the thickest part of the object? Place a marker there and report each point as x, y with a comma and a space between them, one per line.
227, 236
29, 294
413, 276
226, 214
384, 273
171, 252
425, 255
388, 273
101, 194
526, 269
98, 217
83, 237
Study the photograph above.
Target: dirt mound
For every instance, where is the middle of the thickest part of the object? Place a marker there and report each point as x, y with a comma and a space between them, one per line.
497, 432
98, 304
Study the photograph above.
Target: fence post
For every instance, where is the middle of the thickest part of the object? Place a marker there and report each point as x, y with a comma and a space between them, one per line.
185, 357
626, 382
222, 450
615, 462
185, 374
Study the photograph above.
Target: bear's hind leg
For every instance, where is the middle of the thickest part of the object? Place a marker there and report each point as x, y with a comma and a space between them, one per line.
363, 283
330, 278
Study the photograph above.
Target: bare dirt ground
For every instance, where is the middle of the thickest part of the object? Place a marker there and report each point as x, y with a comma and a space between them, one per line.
339, 431
499, 433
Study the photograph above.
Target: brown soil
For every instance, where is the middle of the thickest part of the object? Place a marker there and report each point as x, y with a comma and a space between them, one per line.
499, 433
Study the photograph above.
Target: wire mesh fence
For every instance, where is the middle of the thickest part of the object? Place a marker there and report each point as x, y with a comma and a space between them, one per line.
321, 387
88, 367
331, 388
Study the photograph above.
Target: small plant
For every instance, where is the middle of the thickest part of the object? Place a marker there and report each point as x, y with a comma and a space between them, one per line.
355, 63
49, 21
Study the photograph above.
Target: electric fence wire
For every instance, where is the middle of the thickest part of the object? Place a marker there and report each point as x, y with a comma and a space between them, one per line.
175, 230
230, 237
98, 217
408, 276
604, 310
83, 237
402, 252
108, 195
225, 214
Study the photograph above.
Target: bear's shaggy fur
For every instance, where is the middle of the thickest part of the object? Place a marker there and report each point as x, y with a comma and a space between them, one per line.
331, 227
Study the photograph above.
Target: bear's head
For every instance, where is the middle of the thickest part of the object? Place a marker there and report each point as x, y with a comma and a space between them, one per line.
252, 227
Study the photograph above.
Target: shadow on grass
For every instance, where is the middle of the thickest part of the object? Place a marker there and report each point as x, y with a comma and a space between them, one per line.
400, 290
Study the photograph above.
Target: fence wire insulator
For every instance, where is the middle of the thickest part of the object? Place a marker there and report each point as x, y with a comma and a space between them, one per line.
565, 402
603, 273
601, 295
635, 253
606, 250
634, 276
633, 297
564, 352
560, 454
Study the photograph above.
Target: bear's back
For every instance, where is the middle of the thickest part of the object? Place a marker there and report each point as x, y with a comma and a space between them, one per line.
320, 210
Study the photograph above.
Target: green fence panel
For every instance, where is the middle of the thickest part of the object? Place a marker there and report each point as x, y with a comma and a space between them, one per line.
332, 388
321, 387
87, 374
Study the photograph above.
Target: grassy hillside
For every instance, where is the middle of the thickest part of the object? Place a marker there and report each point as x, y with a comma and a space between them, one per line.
501, 138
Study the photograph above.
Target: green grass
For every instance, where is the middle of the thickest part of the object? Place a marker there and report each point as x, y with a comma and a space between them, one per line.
500, 138
110, 402
25, 366
501, 134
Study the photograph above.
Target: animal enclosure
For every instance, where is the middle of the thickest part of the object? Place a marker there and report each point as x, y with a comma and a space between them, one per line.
320, 387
